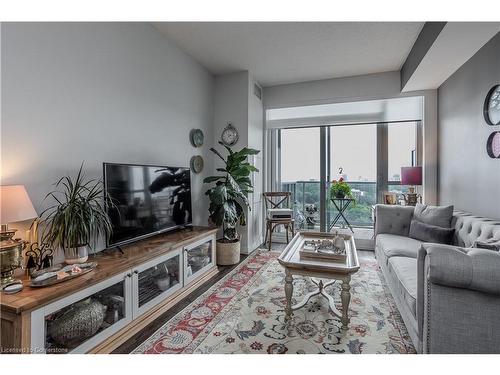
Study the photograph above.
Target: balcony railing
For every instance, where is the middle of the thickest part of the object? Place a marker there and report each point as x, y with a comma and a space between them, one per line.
306, 199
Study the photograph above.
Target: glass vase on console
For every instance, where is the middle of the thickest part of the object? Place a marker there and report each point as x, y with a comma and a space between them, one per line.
76, 255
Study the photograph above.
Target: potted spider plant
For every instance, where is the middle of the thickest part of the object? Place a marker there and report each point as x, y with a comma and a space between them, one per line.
228, 199
78, 217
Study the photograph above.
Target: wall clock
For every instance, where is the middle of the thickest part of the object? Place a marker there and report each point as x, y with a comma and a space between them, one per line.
196, 137
491, 108
229, 135
493, 145
197, 164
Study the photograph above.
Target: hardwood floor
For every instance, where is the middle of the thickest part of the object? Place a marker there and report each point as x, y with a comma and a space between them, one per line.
136, 340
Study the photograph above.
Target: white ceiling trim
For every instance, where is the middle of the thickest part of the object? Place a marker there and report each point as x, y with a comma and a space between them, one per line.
372, 111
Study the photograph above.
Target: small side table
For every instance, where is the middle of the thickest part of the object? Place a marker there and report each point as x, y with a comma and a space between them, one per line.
341, 204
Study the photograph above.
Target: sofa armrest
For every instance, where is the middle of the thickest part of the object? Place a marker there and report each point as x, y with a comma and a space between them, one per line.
393, 219
475, 269
458, 299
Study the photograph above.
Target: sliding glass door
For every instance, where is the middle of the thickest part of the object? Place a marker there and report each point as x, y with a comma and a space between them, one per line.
353, 156
300, 166
368, 156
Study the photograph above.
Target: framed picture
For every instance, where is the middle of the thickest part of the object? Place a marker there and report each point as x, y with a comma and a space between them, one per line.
390, 198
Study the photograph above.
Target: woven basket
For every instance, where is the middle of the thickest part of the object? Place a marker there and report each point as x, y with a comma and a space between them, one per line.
81, 321
228, 253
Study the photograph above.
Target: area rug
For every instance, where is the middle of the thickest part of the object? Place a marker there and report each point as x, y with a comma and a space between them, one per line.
244, 313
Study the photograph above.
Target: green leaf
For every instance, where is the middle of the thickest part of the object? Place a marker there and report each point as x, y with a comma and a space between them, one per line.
210, 179
217, 153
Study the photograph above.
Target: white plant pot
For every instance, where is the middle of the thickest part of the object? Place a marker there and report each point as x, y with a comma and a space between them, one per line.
76, 255
228, 253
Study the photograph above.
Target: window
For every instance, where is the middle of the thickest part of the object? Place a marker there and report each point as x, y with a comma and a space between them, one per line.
370, 157
401, 152
401, 148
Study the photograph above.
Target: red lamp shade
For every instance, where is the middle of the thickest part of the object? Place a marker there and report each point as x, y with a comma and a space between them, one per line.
411, 175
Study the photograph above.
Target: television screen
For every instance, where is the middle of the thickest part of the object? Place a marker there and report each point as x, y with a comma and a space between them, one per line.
146, 200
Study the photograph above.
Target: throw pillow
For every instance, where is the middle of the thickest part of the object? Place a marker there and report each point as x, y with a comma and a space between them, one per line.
439, 216
431, 233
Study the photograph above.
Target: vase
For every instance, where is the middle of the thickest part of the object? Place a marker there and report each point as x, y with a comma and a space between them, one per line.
340, 196
76, 255
78, 322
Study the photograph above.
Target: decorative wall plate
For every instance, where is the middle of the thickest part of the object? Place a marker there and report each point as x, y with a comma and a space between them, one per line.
493, 145
491, 108
229, 135
196, 137
197, 164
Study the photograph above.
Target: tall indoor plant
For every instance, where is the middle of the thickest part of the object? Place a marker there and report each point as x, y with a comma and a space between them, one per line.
78, 217
228, 199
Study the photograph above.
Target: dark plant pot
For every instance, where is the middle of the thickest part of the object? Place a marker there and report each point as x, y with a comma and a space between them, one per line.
340, 195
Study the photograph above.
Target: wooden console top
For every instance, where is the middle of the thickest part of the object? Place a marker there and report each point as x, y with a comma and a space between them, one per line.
110, 262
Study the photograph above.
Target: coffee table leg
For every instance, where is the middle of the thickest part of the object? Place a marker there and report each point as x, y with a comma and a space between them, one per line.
288, 294
345, 296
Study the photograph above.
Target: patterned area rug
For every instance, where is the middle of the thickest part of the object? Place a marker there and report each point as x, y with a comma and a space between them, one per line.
244, 313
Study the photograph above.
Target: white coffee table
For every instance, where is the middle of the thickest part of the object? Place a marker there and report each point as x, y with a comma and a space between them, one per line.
319, 269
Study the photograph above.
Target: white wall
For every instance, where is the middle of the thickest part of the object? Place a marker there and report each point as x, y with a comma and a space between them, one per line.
468, 177
360, 88
335, 90
95, 92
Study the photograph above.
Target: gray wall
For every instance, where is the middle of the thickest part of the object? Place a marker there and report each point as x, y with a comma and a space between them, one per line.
117, 92
236, 103
468, 178
256, 215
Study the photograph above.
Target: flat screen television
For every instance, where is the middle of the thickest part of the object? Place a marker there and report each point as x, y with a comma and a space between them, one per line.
146, 200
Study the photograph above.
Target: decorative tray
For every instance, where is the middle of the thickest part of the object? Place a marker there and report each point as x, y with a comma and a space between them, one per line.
322, 249
59, 273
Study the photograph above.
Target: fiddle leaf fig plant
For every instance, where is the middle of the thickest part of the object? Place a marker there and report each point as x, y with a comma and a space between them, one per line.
228, 197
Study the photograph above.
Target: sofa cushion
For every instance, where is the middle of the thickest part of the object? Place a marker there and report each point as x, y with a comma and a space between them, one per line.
405, 270
394, 245
431, 233
393, 219
434, 215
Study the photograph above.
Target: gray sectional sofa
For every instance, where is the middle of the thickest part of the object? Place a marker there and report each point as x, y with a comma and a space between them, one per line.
448, 295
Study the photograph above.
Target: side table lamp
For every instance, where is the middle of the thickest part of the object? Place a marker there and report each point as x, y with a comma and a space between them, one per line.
411, 176
15, 206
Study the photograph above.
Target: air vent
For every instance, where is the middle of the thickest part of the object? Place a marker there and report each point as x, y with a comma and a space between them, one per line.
257, 91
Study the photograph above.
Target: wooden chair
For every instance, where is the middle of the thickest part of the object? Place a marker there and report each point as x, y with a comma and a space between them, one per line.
275, 200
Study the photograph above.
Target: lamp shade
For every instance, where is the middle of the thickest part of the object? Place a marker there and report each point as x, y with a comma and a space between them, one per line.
15, 204
411, 175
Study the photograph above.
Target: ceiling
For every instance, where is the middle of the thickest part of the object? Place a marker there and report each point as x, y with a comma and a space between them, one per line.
287, 52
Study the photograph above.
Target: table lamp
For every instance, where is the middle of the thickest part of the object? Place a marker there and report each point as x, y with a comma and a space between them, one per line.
411, 176
15, 205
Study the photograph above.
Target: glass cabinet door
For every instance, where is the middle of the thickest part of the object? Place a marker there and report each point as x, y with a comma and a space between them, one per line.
79, 322
156, 280
198, 258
